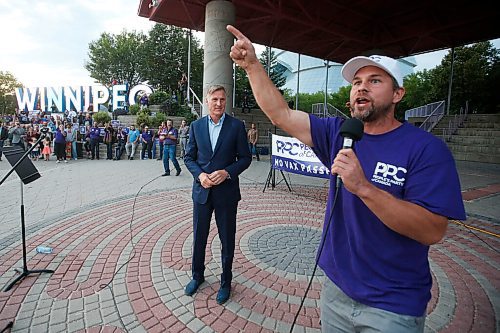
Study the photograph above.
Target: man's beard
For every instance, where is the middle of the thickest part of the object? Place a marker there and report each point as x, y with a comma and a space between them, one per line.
373, 113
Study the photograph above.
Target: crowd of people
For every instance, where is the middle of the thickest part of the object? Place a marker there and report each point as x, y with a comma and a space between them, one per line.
57, 137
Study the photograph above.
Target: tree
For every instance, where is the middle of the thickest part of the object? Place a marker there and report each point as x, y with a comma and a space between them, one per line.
476, 76
8, 83
276, 70
275, 74
117, 57
167, 54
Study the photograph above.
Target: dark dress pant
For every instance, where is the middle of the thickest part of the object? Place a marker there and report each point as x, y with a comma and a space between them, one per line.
225, 217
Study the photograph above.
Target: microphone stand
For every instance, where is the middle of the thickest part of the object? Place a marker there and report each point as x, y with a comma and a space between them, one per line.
25, 271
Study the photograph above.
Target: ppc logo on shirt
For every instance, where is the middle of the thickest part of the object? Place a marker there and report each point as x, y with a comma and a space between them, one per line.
389, 174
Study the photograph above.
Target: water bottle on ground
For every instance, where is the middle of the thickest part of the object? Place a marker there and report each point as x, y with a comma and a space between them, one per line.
44, 249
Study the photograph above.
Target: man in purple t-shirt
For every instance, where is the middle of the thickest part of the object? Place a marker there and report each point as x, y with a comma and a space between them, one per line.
400, 187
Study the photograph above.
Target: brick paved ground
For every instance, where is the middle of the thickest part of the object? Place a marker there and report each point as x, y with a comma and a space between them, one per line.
121, 261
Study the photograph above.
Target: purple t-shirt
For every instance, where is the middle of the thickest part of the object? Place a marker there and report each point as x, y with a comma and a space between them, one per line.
368, 261
173, 132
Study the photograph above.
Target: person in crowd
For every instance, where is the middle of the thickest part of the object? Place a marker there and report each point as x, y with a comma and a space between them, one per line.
71, 141
86, 144
94, 135
88, 121
4, 135
154, 144
245, 105
162, 131
121, 140
216, 155
170, 149
72, 116
109, 140
132, 141
253, 136
18, 134
147, 143
47, 151
144, 101
183, 86
183, 137
81, 118
35, 152
60, 144
397, 189
30, 135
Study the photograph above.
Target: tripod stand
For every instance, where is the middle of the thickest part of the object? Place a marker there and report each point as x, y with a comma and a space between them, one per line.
271, 176
28, 173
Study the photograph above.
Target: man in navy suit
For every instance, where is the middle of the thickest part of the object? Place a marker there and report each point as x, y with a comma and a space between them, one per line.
217, 152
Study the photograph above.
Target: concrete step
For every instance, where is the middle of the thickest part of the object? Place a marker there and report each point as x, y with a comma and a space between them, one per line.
478, 132
127, 120
476, 157
483, 149
484, 118
475, 140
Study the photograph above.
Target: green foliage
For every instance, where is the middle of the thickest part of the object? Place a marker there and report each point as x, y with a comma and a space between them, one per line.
158, 97
340, 98
476, 76
134, 109
102, 117
8, 100
167, 55
276, 75
307, 100
157, 119
143, 118
276, 71
117, 57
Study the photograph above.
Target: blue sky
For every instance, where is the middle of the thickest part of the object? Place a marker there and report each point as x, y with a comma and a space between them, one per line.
45, 42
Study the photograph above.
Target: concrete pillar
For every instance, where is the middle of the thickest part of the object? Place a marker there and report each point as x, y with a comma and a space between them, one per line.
218, 66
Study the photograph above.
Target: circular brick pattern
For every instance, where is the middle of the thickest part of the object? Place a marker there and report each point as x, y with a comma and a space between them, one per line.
277, 237
291, 249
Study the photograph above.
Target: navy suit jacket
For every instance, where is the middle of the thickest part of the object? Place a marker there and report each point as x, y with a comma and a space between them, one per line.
231, 153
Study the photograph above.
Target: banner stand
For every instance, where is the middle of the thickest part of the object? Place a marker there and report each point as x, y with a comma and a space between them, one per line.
271, 176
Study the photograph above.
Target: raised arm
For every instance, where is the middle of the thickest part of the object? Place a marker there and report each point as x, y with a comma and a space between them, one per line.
270, 100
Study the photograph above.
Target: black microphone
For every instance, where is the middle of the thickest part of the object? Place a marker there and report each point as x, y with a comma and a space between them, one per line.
351, 130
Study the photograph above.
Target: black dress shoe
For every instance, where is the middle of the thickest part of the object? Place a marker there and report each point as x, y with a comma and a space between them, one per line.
178, 172
166, 174
192, 287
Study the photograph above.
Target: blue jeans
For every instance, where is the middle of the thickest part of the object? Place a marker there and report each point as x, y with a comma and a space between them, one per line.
340, 313
169, 154
74, 154
1, 148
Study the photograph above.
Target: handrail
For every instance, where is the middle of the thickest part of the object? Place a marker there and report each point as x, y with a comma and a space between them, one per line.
318, 109
433, 117
193, 105
423, 111
457, 121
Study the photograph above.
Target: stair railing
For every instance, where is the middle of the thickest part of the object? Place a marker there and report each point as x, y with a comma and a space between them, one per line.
197, 105
320, 111
423, 111
456, 122
434, 112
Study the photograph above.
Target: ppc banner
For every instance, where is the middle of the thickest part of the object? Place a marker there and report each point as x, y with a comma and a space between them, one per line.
291, 155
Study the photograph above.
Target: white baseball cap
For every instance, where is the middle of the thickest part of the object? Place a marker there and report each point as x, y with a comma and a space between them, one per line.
389, 65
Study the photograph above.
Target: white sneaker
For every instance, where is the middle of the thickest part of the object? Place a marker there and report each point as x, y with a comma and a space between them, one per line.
58, 161
65, 161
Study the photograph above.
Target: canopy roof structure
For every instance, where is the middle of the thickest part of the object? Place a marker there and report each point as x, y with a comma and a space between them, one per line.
338, 30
